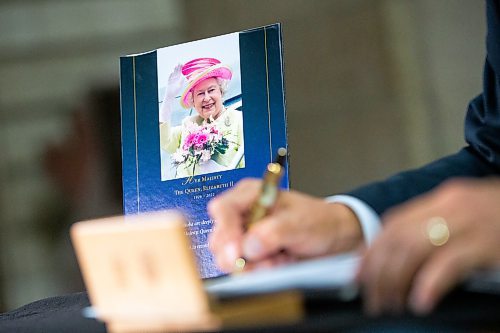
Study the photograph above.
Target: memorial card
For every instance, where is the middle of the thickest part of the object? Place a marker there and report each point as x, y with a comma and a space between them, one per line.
196, 118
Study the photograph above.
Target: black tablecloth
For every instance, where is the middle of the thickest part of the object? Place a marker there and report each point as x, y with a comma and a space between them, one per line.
460, 311
52, 315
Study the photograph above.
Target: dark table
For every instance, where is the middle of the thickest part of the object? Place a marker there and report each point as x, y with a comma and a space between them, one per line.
459, 311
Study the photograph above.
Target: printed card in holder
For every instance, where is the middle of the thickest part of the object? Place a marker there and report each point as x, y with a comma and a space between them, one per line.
141, 276
196, 118
140, 273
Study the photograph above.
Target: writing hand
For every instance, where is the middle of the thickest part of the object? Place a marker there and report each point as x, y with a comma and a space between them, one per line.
298, 226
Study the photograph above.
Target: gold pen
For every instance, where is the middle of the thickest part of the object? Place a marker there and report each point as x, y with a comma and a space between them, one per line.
268, 196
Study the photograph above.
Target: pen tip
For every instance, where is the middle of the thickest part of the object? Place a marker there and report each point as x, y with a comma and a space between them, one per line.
240, 264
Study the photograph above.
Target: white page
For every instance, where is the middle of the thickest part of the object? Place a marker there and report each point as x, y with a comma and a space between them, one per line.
333, 272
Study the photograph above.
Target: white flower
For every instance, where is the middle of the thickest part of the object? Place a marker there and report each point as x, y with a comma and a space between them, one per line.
178, 156
192, 127
205, 155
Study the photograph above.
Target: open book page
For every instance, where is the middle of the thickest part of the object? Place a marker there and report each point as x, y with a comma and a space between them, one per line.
333, 272
328, 273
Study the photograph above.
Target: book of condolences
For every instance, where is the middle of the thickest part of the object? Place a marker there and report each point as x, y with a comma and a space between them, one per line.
196, 118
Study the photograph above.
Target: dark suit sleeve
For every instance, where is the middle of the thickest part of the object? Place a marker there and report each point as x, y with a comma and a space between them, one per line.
481, 156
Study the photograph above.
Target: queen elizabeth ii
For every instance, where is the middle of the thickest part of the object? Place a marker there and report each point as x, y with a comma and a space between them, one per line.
212, 139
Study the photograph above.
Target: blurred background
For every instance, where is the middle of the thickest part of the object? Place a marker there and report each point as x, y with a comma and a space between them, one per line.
372, 87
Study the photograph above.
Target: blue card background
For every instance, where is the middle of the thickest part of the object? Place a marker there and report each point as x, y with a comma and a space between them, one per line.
264, 121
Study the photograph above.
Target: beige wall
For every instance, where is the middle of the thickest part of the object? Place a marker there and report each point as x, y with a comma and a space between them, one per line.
339, 85
371, 86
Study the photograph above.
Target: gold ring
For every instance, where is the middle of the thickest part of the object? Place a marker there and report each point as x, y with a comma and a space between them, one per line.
437, 231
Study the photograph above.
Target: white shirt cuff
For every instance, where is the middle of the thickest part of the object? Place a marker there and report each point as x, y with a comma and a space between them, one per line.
369, 220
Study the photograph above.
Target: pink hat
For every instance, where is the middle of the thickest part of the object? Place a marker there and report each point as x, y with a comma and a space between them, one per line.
201, 69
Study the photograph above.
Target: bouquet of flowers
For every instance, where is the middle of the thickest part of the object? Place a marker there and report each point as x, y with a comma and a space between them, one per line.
200, 143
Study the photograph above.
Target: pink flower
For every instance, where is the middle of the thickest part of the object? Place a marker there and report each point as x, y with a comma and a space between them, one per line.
189, 141
199, 144
200, 139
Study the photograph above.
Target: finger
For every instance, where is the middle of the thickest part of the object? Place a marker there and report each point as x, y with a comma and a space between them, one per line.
388, 268
228, 214
303, 226
267, 237
448, 267
177, 70
229, 209
390, 264
369, 277
396, 275
287, 228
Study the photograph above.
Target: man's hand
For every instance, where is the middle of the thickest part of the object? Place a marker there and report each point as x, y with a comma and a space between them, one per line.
299, 226
403, 266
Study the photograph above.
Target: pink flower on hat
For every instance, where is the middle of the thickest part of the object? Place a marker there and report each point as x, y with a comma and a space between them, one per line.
198, 70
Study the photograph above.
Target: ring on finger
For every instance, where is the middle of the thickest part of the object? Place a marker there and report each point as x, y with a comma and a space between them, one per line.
437, 231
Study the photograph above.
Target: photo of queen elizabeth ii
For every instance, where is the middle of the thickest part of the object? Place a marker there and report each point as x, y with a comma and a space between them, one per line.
204, 135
